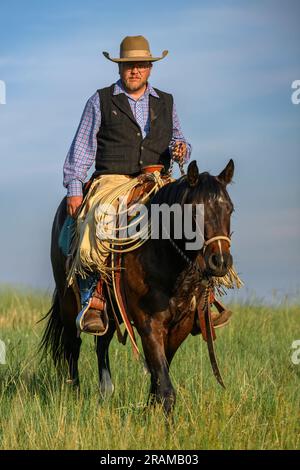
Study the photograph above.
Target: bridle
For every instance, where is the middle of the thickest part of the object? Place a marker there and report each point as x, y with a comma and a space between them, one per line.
214, 239
206, 242
217, 238
194, 264
207, 284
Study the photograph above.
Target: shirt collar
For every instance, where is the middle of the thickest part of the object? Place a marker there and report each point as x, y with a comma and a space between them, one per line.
120, 89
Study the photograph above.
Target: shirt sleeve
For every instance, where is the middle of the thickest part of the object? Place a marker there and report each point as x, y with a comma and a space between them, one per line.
178, 135
83, 150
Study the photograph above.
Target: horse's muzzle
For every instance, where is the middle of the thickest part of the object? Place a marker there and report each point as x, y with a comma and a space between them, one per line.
218, 264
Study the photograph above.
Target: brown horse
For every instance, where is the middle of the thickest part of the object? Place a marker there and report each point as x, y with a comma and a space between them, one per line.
161, 294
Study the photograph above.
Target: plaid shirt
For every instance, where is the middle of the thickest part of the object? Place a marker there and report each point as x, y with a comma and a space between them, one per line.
83, 150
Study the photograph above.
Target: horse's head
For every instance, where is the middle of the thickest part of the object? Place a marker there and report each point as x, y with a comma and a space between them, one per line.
211, 191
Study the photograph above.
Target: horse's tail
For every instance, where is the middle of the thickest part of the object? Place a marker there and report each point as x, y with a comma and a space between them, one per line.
53, 338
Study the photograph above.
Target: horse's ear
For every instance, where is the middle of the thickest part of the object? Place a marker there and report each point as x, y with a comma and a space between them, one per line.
226, 175
192, 173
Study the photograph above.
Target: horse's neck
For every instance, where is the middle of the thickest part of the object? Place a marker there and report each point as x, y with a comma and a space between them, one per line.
166, 259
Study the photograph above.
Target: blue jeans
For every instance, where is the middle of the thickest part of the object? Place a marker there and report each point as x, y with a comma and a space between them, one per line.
87, 287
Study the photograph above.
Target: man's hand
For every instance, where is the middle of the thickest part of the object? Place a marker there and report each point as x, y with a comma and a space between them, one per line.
179, 151
73, 205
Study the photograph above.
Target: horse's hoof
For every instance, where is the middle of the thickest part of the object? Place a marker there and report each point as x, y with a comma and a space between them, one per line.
106, 387
106, 392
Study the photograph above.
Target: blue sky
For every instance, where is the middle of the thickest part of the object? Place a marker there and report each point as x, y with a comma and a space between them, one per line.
230, 68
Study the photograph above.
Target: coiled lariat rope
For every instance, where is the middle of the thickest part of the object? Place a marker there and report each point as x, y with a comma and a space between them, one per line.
125, 244
94, 220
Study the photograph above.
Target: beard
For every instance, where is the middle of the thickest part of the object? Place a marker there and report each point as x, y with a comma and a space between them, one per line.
134, 85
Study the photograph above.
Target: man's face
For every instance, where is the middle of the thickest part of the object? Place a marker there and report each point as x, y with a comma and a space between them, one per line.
135, 74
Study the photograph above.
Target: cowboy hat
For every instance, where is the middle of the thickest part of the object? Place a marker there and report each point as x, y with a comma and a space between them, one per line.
135, 48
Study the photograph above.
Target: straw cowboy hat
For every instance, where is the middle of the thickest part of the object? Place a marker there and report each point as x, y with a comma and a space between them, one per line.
135, 48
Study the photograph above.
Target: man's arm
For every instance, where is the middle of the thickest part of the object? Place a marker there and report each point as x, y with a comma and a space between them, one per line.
179, 147
82, 153
83, 150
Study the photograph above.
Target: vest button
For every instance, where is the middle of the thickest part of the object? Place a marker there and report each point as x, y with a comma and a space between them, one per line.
141, 162
138, 134
142, 148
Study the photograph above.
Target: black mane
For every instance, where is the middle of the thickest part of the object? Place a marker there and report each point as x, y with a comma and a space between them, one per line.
180, 192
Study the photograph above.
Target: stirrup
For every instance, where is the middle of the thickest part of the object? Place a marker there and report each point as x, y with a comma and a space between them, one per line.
80, 319
221, 318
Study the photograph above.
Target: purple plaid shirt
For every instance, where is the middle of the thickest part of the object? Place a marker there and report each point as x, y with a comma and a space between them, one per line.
82, 153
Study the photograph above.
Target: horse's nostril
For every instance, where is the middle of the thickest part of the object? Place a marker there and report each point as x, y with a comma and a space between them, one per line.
213, 261
218, 262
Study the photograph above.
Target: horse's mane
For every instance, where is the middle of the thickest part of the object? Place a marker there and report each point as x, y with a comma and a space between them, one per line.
180, 192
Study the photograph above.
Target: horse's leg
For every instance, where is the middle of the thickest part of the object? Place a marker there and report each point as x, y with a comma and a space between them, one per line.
71, 341
149, 310
153, 337
106, 386
72, 350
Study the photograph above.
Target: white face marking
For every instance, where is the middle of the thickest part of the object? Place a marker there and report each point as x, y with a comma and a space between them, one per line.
220, 248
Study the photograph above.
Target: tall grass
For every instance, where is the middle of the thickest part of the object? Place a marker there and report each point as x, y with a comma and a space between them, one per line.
258, 410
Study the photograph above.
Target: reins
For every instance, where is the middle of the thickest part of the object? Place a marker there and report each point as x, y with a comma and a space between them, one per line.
204, 310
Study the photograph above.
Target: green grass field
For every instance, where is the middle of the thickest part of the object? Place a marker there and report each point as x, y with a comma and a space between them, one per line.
258, 410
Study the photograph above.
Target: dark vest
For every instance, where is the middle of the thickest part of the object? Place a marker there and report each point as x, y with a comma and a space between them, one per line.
121, 148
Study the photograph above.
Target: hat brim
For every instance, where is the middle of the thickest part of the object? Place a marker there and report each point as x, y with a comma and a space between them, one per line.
135, 59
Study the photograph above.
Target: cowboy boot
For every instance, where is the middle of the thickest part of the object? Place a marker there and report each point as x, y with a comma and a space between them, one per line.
222, 316
93, 317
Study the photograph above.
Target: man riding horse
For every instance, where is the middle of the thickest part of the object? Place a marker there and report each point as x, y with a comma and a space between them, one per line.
124, 127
